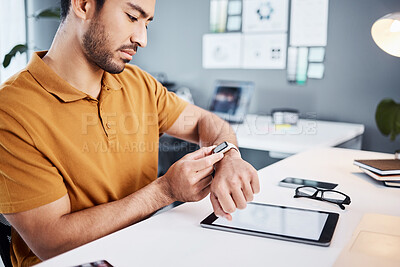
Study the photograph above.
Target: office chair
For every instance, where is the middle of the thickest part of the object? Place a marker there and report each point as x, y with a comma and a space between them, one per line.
5, 241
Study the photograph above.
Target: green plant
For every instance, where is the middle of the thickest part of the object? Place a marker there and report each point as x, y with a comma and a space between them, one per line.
53, 12
20, 48
387, 118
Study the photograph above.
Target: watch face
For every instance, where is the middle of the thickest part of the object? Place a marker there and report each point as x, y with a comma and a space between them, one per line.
220, 147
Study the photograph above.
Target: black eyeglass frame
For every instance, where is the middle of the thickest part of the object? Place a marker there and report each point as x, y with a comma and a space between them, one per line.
315, 196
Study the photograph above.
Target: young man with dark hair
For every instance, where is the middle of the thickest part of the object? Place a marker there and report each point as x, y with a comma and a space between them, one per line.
79, 131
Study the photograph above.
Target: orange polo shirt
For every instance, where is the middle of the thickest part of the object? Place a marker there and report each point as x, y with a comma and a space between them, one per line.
57, 140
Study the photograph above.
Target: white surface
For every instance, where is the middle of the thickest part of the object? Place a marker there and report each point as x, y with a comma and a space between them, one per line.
258, 132
234, 8
233, 23
218, 14
315, 70
265, 15
292, 64
375, 242
222, 50
264, 51
309, 22
302, 64
316, 54
12, 32
175, 238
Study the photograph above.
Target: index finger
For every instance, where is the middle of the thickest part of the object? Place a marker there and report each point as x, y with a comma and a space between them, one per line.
255, 184
218, 209
200, 153
206, 162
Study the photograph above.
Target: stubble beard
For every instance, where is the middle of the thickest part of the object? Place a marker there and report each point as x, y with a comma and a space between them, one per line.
95, 43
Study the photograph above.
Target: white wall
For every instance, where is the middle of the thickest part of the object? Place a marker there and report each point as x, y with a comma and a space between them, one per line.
12, 32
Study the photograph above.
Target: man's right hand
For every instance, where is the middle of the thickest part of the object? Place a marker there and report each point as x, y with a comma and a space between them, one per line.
189, 178
52, 229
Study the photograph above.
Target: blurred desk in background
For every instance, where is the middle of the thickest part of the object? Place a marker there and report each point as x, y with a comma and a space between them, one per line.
259, 132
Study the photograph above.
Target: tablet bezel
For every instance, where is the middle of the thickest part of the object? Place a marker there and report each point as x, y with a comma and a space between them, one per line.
324, 238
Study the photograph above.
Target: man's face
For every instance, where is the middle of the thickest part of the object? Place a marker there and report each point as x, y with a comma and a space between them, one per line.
116, 31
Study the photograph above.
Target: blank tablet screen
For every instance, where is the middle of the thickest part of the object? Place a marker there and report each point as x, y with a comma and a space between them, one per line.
278, 220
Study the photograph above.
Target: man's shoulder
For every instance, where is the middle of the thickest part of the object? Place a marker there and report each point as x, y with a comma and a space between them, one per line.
16, 94
16, 80
12, 87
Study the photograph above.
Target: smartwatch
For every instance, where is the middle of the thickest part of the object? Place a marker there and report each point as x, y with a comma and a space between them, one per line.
225, 147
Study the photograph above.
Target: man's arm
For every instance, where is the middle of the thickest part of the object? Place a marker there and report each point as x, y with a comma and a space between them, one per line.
52, 229
201, 126
235, 181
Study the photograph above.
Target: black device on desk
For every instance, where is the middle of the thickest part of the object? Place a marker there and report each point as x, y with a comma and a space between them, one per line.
231, 100
296, 182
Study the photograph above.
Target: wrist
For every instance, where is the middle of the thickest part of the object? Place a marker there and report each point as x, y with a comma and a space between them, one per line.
233, 153
230, 155
165, 189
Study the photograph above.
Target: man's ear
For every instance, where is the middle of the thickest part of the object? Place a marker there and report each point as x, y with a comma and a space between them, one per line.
83, 9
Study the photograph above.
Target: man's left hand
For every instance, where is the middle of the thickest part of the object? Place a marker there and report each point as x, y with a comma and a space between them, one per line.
235, 183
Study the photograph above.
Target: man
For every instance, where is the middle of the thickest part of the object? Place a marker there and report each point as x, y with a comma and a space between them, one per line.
79, 137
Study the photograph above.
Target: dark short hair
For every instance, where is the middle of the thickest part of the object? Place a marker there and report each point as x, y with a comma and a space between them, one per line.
66, 4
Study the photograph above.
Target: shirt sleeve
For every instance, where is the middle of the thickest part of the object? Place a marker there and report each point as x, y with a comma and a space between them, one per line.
166, 105
27, 178
169, 107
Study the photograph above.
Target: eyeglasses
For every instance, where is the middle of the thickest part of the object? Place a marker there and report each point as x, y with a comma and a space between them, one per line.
331, 196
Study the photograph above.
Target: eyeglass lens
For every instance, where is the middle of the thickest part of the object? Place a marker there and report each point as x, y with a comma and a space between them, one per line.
326, 195
306, 191
333, 196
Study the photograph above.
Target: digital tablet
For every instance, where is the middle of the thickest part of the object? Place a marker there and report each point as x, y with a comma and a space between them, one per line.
286, 223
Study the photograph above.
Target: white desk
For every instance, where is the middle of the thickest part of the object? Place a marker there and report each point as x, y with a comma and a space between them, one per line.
258, 132
175, 238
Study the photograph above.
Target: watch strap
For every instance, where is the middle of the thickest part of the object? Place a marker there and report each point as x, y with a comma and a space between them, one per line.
228, 146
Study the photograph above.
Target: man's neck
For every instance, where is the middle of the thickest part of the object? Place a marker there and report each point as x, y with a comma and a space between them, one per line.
67, 59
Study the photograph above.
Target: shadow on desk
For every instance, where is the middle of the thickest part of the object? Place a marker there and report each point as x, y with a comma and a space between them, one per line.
172, 149
257, 158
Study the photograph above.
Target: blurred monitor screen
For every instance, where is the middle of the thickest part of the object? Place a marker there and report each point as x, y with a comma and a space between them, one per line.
231, 100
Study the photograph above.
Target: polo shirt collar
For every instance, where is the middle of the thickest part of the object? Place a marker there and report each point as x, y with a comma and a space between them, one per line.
111, 82
57, 86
